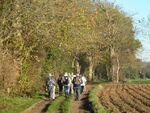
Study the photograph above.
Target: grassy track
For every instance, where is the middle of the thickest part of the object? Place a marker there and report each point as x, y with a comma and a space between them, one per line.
55, 105
67, 104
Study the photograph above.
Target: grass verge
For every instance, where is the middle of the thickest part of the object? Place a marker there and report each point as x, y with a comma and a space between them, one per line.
67, 105
10, 104
139, 81
93, 98
55, 105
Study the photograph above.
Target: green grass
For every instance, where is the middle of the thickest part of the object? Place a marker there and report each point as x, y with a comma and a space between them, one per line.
139, 81
93, 98
10, 104
62, 103
55, 105
67, 105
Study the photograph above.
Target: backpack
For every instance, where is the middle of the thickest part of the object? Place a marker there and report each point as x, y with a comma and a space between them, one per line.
77, 81
66, 81
50, 81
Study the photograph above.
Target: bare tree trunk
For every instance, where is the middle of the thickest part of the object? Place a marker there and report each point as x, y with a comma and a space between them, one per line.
73, 62
118, 68
77, 67
115, 66
112, 58
73, 65
90, 77
108, 72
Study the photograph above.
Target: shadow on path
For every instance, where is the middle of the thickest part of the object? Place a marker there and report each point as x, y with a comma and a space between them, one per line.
45, 108
83, 106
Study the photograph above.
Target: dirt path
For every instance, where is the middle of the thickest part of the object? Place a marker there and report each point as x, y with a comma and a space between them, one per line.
39, 107
82, 106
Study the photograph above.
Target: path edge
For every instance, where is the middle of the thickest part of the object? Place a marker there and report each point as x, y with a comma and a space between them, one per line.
31, 107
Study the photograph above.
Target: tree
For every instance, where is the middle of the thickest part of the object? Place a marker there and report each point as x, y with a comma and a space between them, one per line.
25, 31
119, 36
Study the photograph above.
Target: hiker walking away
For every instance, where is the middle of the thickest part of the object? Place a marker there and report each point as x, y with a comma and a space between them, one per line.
66, 84
83, 83
60, 83
71, 76
77, 86
50, 83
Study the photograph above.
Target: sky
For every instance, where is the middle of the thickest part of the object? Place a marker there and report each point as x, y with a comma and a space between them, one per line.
138, 9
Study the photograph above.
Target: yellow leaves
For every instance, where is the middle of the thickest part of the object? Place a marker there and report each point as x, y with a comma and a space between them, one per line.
36, 58
72, 23
100, 86
25, 84
82, 10
67, 21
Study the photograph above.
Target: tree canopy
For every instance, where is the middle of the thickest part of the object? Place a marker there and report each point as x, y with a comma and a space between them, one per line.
55, 36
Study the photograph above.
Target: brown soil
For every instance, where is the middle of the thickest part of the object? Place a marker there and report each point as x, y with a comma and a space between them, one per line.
126, 98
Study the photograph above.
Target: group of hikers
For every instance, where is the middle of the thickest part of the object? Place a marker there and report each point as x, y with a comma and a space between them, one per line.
67, 83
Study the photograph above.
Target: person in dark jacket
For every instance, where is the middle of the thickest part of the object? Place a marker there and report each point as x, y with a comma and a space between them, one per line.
77, 86
60, 83
66, 84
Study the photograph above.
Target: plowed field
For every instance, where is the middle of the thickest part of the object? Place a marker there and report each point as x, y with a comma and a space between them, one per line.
126, 98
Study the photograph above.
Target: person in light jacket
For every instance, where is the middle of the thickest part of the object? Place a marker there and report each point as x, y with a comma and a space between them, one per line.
50, 83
